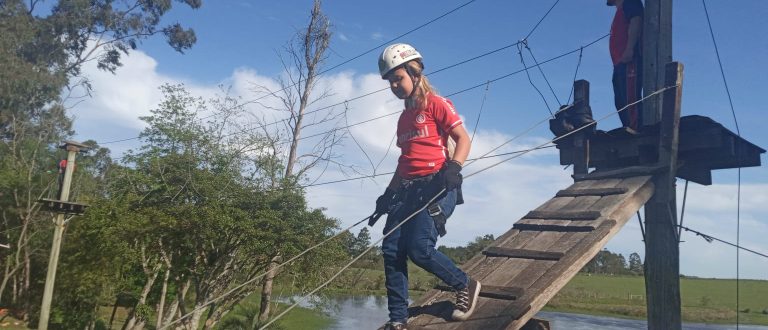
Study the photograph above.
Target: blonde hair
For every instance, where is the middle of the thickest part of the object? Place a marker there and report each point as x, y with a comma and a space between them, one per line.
419, 98
422, 86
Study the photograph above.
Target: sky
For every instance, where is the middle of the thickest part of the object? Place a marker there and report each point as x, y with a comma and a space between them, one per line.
239, 42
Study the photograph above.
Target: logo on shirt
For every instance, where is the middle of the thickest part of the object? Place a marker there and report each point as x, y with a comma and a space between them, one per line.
420, 118
419, 133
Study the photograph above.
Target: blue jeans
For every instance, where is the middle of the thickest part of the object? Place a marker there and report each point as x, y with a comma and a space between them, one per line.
415, 240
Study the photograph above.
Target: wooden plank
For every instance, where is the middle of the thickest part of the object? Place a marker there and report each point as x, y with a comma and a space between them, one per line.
494, 251
557, 228
563, 215
591, 192
626, 172
492, 291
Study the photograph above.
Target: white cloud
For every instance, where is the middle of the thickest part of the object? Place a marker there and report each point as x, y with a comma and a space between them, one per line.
495, 199
343, 37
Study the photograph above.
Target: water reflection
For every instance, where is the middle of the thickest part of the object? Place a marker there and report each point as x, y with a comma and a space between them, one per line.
589, 322
370, 312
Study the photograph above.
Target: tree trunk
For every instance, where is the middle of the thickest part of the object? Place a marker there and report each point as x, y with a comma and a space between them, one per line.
178, 304
266, 289
134, 321
214, 319
114, 311
194, 321
161, 305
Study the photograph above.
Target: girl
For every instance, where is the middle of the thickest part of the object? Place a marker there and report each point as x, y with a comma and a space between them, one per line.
424, 168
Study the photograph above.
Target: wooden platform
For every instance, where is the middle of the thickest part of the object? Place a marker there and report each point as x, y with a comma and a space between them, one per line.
529, 264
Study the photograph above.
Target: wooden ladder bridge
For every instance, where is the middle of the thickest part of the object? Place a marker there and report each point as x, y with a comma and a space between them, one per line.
526, 266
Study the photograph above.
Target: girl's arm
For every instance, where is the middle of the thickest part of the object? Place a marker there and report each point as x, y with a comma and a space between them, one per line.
463, 144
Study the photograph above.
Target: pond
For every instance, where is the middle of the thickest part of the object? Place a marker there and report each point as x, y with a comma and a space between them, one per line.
369, 312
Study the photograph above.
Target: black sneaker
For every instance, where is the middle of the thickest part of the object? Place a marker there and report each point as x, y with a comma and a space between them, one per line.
395, 326
466, 300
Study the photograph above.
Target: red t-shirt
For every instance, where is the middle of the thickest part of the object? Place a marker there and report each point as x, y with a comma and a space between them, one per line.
620, 28
422, 135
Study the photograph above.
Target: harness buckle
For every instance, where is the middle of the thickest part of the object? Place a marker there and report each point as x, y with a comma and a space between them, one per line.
434, 210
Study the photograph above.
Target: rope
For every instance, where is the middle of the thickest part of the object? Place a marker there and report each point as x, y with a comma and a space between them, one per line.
682, 210
710, 238
522, 60
337, 65
738, 176
477, 121
574, 131
578, 65
208, 303
542, 19
542, 74
515, 137
383, 89
353, 260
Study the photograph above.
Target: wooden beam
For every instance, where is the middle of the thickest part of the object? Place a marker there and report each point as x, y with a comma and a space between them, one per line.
558, 228
495, 251
494, 292
657, 52
662, 254
626, 172
591, 192
563, 215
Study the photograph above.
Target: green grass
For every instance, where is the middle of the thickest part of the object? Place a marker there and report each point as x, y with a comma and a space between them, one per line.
8, 322
297, 318
703, 300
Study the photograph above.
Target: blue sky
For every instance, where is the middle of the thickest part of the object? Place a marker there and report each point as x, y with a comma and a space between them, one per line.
238, 42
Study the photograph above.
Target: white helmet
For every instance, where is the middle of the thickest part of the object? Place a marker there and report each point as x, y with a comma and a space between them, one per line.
396, 55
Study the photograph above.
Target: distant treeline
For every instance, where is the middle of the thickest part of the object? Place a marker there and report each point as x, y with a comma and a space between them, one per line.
605, 262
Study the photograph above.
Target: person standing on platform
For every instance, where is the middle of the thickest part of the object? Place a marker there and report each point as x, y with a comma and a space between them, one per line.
626, 54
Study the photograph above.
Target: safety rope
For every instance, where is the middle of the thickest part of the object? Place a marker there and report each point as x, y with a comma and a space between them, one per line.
302, 299
738, 176
541, 70
710, 239
479, 113
575, 74
208, 303
527, 74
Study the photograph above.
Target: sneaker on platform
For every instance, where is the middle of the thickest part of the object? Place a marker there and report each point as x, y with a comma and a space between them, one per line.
466, 300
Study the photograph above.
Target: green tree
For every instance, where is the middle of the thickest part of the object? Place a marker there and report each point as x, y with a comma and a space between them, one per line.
42, 49
462, 254
192, 210
635, 264
302, 60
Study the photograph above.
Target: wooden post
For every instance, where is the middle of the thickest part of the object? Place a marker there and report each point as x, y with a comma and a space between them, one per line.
657, 52
581, 139
45, 308
662, 254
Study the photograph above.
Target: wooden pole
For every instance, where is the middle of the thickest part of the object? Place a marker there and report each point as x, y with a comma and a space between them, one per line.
58, 233
581, 139
662, 254
657, 52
